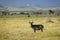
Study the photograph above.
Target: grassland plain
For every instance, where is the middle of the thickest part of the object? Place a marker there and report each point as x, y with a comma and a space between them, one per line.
18, 28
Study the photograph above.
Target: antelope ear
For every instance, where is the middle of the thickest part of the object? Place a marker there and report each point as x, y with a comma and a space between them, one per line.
29, 22
32, 21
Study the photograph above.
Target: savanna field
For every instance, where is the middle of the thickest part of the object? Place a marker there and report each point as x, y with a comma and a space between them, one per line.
17, 27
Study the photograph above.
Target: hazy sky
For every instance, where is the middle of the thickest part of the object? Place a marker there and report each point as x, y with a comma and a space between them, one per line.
41, 3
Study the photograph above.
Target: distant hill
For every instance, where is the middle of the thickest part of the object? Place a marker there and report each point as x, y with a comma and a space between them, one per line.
33, 9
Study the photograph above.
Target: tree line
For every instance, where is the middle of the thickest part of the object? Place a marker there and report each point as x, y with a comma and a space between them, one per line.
23, 13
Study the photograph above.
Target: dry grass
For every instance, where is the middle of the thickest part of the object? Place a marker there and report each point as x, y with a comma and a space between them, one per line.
18, 28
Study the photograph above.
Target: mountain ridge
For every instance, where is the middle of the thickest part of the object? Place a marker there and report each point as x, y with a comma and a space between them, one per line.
57, 9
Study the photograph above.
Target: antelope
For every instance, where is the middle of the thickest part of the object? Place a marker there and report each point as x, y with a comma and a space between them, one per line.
36, 26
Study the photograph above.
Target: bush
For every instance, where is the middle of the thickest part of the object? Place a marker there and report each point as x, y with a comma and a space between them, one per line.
48, 19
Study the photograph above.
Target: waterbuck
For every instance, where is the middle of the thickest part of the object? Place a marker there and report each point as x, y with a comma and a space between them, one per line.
36, 26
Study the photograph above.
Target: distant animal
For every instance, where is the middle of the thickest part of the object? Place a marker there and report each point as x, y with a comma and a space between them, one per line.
36, 26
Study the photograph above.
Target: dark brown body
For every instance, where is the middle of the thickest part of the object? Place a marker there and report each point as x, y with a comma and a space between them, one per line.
36, 27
